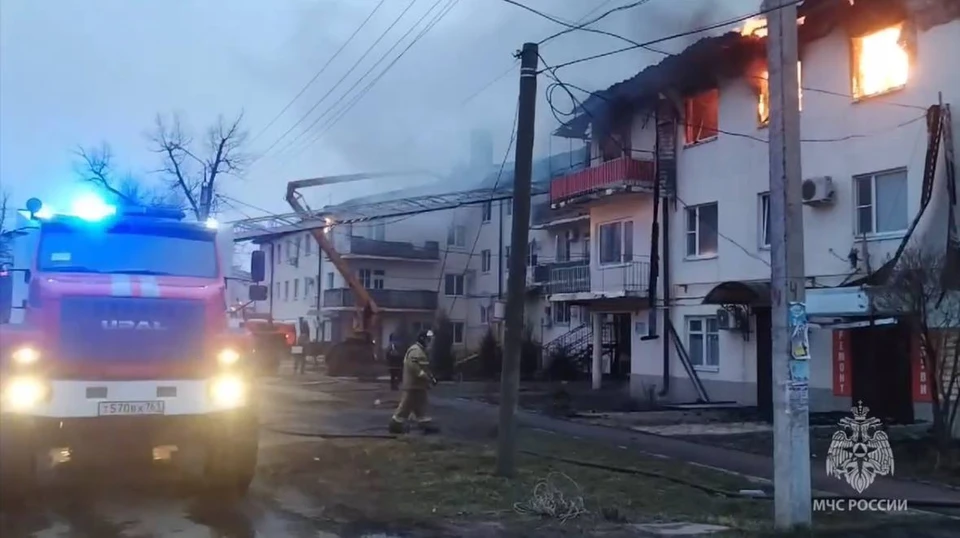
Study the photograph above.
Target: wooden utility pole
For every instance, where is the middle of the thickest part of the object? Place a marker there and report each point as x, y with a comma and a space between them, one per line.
517, 272
791, 357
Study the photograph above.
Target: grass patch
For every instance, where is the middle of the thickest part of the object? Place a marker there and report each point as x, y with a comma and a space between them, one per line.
432, 482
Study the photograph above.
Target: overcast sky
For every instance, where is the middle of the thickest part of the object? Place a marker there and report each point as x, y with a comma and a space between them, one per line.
83, 72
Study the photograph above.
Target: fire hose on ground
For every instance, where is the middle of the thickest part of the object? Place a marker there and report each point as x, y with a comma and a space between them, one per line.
756, 495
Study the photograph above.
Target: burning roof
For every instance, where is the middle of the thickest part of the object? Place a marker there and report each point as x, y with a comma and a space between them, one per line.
701, 65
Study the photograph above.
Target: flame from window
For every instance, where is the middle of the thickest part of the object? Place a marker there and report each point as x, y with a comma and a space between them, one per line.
881, 63
763, 103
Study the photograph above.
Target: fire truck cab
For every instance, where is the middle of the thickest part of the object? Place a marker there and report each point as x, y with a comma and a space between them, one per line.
124, 352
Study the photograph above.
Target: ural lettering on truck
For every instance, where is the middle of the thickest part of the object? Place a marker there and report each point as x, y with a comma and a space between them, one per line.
125, 347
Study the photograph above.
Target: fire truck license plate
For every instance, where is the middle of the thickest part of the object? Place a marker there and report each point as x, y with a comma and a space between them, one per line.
131, 408
296, 349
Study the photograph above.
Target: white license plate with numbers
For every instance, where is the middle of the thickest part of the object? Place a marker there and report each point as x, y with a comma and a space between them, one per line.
130, 408
296, 349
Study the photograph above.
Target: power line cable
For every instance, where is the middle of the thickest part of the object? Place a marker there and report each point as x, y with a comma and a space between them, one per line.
329, 109
343, 112
677, 35
320, 72
343, 78
584, 26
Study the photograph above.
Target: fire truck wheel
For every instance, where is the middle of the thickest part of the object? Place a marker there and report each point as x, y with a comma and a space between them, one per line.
232, 457
18, 476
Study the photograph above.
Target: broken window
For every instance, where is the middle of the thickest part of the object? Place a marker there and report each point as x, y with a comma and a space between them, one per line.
763, 104
880, 62
702, 117
765, 220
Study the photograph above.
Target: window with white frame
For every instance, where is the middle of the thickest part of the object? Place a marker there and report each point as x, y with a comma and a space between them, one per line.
506, 256
616, 242
881, 201
487, 210
330, 280
276, 291
453, 285
484, 314
561, 313
296, 289
379, 276
702, 231
485, 260
308, 288
509, 206
703, 342
307, 244
763, 229
286, 290
532, 254
457, 236
366, 277
457, 327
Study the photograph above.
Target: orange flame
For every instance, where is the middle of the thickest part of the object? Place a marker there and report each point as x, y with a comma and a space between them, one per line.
882, 63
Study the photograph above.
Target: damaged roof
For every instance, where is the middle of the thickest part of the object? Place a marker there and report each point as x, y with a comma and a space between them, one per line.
701, 65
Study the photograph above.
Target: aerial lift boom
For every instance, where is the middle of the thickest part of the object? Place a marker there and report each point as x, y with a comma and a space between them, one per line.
361, 343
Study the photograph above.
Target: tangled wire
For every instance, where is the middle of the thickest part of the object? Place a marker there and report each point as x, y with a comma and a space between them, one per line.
550, 500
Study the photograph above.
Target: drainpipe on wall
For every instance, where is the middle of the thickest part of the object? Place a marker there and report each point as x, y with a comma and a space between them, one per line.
665, 216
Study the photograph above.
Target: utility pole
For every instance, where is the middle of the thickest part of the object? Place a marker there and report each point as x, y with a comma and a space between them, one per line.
517, 273
791, 358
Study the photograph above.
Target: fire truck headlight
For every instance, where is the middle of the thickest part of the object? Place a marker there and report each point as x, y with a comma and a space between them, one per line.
228, 391
228, 357
24, 393
26, 355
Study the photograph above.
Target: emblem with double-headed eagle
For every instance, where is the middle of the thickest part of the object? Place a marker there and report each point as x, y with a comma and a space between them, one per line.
860, 451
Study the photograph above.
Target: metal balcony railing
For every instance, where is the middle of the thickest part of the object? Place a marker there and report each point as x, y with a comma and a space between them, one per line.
404, 299
394, 249
580, 276
624, 174
568, 277
631, 276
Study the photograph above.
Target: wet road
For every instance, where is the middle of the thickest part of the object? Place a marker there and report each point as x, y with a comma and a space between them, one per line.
143, 505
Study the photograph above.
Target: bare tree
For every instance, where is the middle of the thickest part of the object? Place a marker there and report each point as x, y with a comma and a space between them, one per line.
917, 291
95, 166
196, 172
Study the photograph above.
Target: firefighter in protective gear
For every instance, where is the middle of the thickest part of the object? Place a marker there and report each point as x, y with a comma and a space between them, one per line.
417, 381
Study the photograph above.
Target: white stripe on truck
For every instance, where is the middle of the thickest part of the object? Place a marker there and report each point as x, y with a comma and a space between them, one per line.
149, 287
121, 286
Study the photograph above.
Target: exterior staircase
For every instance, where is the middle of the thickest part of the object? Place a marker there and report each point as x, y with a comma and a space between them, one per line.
577, 345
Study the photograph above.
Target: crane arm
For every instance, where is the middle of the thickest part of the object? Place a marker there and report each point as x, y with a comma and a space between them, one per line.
295, 200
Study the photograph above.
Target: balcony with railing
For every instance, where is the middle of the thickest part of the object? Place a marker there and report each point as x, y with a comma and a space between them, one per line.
374, 248
623, 174
425, 300
627, 279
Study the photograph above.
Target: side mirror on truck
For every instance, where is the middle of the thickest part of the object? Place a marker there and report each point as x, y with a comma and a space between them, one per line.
258, 265
257, 293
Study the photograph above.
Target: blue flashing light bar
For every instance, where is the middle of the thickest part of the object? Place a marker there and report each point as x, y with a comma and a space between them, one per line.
92, 208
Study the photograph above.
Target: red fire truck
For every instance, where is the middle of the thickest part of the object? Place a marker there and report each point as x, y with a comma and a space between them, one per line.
124, 351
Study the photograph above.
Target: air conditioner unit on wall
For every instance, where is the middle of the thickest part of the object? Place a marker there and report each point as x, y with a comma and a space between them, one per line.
724, 320
818, 191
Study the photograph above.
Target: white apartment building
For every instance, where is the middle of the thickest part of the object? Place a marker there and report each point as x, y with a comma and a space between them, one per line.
874, 162
416, 251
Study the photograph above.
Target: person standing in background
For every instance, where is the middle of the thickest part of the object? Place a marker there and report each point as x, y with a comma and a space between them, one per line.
394, 363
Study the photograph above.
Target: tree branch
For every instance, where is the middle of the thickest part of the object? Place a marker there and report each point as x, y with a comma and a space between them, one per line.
96, 169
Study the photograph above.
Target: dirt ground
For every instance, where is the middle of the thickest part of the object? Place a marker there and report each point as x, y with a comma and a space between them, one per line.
416, 486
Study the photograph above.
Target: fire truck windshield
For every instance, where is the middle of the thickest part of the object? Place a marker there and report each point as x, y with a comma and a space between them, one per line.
127, 249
